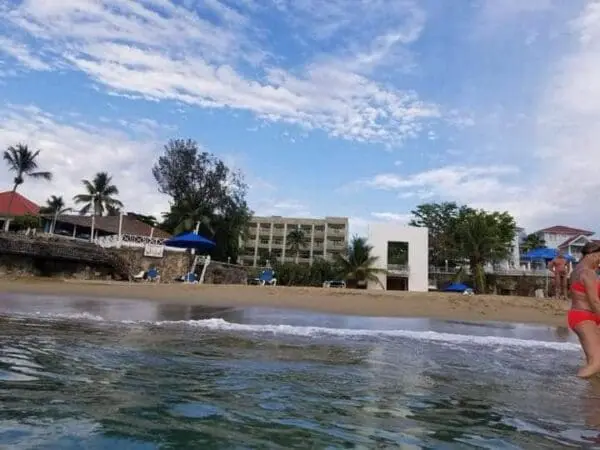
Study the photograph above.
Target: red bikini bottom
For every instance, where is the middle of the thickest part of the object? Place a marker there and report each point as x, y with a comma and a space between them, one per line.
576, 316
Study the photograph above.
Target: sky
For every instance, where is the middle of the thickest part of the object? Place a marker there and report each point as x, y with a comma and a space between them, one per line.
357, 108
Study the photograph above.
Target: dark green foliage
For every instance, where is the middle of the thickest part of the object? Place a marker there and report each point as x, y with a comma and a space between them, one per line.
99, 198
465, 234
204, 191
23, 162
531, 242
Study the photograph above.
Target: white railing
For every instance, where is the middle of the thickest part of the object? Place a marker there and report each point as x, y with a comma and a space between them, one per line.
132, 241
522, 271
398, 268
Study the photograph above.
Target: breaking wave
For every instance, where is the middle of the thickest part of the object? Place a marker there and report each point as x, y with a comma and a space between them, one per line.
218, 324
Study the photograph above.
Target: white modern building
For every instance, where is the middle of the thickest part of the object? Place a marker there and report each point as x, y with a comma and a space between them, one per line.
414, 275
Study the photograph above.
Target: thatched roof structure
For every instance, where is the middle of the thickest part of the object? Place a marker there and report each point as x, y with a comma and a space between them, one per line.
110, 224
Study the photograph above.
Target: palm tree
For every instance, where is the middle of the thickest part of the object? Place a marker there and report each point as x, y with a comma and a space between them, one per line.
186, 214
296, 240
358, 264
23, 162
100, 195
55, 206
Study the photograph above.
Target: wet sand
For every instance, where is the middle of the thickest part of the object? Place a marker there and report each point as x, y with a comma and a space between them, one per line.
444, 306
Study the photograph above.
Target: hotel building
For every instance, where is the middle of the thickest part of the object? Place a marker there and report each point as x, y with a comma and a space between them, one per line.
267, 239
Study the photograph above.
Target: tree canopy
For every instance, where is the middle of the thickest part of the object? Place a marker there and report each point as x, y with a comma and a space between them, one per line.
99, 196
533, 241
357, 264
203, 190
23, 162
460, 233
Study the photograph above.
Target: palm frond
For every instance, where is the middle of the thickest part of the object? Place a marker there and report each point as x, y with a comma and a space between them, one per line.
41, 175
86, 208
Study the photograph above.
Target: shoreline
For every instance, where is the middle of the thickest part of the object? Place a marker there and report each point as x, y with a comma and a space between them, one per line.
433, 305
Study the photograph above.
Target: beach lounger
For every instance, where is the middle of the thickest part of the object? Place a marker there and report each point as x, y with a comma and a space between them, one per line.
267, 278
139, 276
153, 275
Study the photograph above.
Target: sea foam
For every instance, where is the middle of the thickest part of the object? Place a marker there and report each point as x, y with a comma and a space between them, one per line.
218, 324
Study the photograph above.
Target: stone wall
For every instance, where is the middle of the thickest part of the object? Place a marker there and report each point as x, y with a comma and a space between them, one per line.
18, 266
501, 284
170, 266
176, 264
223, 273
40, 256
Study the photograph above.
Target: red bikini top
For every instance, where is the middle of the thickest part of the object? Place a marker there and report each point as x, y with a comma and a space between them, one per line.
578, 286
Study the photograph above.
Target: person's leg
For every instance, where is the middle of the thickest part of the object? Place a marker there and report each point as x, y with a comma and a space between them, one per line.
556, 285
589, 336
565, 287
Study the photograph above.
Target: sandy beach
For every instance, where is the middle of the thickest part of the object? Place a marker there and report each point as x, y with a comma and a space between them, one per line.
447, 306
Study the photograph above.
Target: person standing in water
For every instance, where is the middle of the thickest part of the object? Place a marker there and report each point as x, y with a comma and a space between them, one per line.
584, 315
559, 266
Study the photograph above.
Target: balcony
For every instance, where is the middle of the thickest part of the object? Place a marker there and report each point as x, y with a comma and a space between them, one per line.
398, 269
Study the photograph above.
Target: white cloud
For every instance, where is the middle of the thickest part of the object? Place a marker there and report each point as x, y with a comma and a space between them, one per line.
270, 205
75, 152
160, 50
562, 183
22, 54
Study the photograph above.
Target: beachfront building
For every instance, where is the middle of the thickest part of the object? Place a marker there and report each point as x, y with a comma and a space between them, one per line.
109, 231
408, 246
268, 239
18, 205
566, 239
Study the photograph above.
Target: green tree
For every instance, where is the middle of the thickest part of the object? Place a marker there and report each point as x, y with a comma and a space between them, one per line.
296, 241
100, 195
532, 241
203, 190
483, 237
23, 162
55, 206
439, 218
26, 222
357, 264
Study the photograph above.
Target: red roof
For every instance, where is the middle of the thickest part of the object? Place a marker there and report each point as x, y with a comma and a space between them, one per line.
20, 205
561, 229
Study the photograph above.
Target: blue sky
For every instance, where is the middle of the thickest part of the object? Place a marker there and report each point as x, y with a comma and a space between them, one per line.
359, 108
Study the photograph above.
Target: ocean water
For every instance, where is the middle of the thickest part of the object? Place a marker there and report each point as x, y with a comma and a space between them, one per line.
118, 374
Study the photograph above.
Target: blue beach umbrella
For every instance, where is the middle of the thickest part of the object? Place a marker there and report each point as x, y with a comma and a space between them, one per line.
190, 240
456, 287
544, 254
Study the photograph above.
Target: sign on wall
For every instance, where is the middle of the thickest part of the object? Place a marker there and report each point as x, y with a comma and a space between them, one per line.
154, 251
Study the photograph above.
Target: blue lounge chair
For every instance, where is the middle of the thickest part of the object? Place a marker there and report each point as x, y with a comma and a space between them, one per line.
267, 278
153, 275
190, 278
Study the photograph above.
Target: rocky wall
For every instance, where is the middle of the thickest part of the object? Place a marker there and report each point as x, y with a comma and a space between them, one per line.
18, 266
176, 264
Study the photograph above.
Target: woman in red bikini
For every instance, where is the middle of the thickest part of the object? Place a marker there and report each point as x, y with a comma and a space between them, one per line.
584, 315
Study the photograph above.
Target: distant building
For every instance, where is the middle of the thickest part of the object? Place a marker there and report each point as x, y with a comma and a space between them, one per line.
109, 231
566, 239
268, 239
412, 276
19, 206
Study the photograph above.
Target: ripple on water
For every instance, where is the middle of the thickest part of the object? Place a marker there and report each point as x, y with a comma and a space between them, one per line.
197, 410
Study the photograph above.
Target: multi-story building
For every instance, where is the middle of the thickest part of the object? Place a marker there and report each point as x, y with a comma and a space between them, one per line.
566, 239
267, 239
